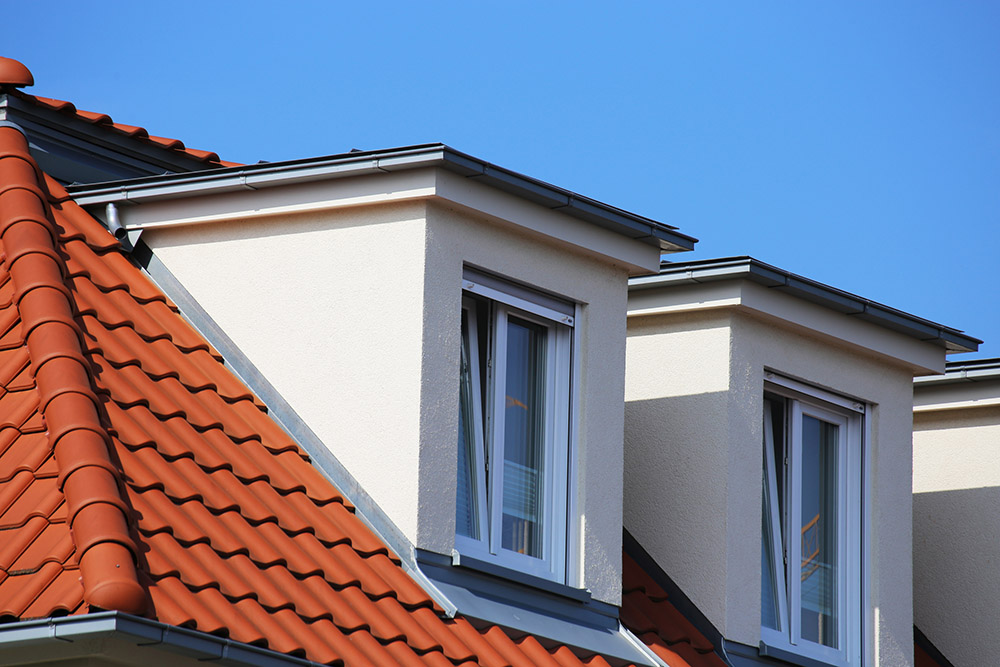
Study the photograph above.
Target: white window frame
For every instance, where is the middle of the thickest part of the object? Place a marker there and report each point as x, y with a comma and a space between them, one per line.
849, 414
489, 437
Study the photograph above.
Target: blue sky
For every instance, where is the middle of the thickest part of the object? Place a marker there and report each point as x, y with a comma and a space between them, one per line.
855, 144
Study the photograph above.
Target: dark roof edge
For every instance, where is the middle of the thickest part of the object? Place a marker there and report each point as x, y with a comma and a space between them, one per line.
675, 595
748, 268
921, 640
273, 174
62, 632
968, 370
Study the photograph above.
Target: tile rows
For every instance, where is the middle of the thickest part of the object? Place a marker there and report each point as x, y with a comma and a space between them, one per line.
649, 614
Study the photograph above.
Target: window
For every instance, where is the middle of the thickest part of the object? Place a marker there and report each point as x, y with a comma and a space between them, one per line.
513, 427
811, 528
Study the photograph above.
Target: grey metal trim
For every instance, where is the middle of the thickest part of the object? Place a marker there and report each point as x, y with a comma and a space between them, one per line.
589, 625
729, 268
276, 174
283, 413
506, 575
72, 149
971, 370
114, 635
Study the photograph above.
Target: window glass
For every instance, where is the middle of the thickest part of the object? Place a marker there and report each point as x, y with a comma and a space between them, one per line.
523, 438
819, 531
466, 514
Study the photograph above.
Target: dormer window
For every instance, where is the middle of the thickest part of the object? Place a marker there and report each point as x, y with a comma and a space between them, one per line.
811, 603
513, 436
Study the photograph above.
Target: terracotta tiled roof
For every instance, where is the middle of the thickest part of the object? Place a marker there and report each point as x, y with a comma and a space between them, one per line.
138, 474
649, 614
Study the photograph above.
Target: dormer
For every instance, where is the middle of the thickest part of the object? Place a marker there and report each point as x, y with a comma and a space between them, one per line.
956, 510
768, 457
452, 333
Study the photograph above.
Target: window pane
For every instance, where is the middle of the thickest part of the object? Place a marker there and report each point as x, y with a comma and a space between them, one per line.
523, 438
819, 602
466, 514
768, 592
772, 572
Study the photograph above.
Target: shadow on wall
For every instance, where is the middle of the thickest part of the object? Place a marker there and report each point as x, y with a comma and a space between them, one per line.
956, 571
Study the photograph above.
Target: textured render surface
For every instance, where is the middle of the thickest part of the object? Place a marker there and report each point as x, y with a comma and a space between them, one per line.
352, 283
375, 294
676, 435
956, 521
235, 533
718, 509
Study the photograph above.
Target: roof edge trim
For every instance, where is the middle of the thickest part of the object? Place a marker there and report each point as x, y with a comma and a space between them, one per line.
258, 176
971, 370
673, 274
65, 630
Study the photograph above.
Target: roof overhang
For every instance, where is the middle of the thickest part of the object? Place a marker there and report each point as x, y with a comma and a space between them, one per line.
153, 193
71, 149
964, 384
114, 638
745, 283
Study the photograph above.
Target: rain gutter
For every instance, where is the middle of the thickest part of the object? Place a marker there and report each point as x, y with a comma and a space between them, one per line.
125, 639
748, 268
277, 174
973, 370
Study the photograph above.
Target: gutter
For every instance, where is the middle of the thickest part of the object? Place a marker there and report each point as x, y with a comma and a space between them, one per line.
674, 274
973, 370
360, 163
116, 636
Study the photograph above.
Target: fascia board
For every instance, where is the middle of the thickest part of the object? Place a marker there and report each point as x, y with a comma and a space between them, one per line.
249, 203
712, 270
664, 237
930, 397
809, 318
471, 195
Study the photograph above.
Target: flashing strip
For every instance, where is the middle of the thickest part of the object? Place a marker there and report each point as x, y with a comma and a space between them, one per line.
278, 409
259, 176
673, 274
105, 633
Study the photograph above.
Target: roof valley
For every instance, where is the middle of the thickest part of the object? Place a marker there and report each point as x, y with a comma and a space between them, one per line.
88, 477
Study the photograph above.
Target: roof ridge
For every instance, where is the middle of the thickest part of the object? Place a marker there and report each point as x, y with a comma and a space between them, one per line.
88, 477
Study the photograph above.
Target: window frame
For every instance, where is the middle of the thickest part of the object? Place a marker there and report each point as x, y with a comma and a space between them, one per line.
505, 301
802, 400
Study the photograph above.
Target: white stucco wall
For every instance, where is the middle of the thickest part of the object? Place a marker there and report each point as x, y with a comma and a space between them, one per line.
353, 315
694, 399
956, 526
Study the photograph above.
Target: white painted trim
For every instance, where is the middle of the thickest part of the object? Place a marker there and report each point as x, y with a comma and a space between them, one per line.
556, 410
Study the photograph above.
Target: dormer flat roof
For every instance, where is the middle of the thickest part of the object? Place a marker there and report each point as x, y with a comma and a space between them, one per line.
358, 163
748, 268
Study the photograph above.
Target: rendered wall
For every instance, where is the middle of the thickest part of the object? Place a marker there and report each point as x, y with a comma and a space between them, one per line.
694, 399
956, 531
354, 316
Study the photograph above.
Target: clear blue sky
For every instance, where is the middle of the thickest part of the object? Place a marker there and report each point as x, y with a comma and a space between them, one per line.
858, 145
